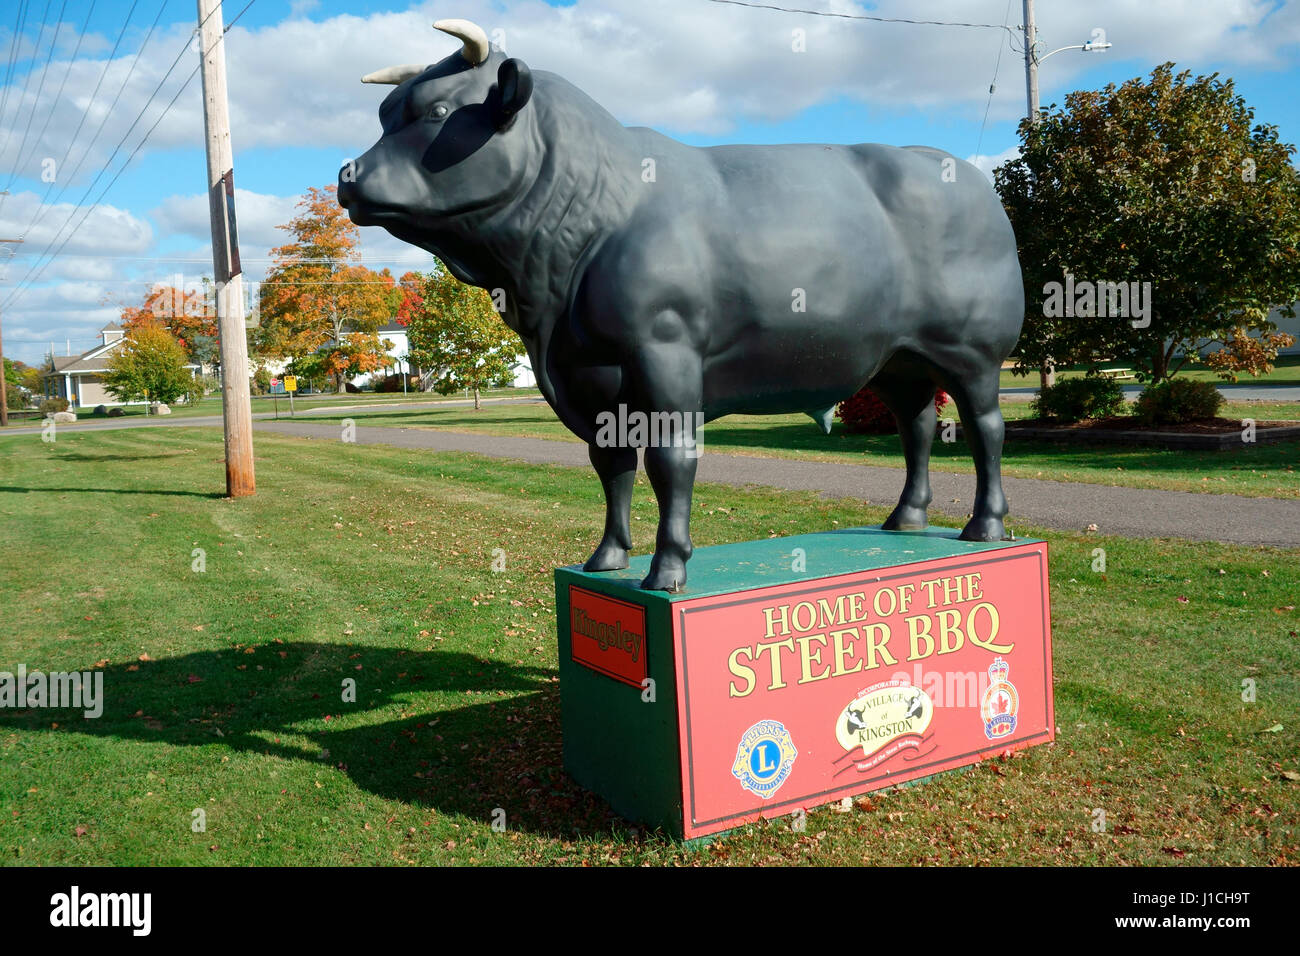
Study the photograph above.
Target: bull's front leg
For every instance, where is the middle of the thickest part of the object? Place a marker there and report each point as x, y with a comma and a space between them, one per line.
672, 475
672, 382
617, 470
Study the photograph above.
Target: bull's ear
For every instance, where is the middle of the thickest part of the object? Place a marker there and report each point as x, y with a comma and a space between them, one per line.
514, 87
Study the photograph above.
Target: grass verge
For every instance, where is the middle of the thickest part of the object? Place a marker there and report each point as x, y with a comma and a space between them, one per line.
224, 684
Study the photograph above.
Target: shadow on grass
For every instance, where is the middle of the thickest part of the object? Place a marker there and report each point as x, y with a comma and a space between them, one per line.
432, 416
472, 734
116, 456
114, 491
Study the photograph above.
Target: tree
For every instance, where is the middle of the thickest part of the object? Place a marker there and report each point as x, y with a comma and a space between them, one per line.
1166, 181
149, 365
191, 316
22, 382
410, 299
456, 333
319, 307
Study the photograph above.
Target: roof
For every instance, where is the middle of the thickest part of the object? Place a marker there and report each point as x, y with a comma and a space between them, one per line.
95, 360
91, 360
111, 327
393, 326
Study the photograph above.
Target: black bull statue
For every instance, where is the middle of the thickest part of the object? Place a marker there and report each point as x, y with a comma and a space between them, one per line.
654, 281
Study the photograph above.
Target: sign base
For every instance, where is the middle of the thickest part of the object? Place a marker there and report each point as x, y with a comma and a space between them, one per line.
794, 672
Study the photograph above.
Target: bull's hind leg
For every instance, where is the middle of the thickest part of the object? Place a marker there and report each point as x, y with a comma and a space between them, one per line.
981, 417
911, 399
617, 470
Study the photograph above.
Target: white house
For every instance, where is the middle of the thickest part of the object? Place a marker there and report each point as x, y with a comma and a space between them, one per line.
78, 377
1289, 326
397, 334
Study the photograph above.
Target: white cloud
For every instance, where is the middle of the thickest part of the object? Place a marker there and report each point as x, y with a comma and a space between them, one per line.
107, 228
681, 65
986, 163
684, 66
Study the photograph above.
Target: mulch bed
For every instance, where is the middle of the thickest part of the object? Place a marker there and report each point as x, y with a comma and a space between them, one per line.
1202, 426
1122, 430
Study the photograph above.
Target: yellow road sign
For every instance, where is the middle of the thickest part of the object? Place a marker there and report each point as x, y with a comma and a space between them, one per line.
291, 383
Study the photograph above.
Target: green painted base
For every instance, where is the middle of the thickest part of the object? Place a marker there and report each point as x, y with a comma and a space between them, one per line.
620, 679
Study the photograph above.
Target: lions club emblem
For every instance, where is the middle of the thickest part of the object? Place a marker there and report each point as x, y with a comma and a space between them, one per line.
764, 758
1000, 702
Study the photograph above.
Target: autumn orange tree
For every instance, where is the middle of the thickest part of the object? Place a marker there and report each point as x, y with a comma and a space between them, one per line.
320, 307
189, 315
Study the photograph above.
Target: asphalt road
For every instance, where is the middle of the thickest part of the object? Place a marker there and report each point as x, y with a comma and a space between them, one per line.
1069, 506
1065, 505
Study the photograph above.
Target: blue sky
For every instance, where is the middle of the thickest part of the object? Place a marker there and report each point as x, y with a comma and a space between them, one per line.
703, 72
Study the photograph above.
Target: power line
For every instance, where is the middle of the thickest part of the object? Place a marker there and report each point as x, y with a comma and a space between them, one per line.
131, 72
26, 283
108, 113
41, 207
49, 114
27, 78
40, 88
997, 65
414, 256
20, 20
13, 53
862, 16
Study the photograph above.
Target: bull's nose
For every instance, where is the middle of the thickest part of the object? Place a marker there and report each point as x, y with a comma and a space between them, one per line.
346, 191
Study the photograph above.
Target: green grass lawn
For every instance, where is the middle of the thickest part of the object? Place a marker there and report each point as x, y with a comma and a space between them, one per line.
268, 404
1286, 371
224, 687
1255, 470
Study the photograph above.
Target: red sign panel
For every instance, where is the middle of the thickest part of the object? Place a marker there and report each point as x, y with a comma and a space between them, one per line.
608, 635
799, 695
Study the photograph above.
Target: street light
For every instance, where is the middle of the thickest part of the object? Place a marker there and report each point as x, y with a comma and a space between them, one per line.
1098, 44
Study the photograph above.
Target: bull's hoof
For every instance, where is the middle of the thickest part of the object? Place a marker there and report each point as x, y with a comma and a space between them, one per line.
666, 574
984, 529
906, 518
608, 557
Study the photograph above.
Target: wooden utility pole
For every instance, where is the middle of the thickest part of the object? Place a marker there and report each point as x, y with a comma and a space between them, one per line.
1046, 371
1031, 62
236, 402
4, 382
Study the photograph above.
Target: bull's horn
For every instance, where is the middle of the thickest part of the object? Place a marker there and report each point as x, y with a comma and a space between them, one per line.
394, 75
476, 47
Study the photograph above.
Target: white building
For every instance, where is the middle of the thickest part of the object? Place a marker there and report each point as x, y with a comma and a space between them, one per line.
78, 377
397, 334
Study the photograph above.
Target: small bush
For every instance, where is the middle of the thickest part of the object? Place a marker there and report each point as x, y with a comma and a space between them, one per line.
52, 405
115, 412
865, 414
1177, 400
200, 388
1077, 399
100, 410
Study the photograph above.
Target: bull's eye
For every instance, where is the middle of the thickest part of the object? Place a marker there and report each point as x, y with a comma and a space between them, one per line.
438, 112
